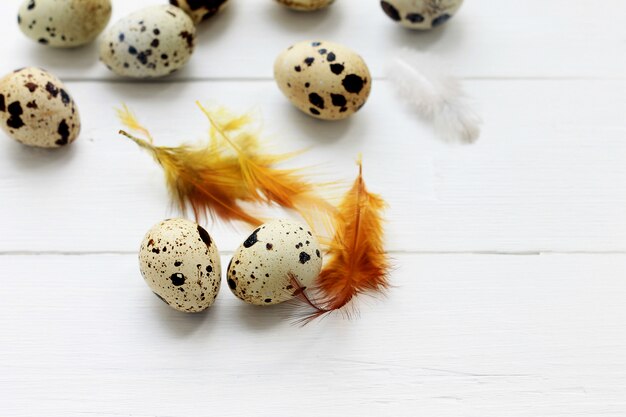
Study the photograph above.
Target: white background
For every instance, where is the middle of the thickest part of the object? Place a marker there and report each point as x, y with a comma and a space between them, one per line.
510, 254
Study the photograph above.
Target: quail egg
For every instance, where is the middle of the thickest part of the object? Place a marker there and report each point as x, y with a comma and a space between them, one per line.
151, 42
323, 79
37, 110
200, 10
420, 14
180, 263
260, 270
306, 5
64, 23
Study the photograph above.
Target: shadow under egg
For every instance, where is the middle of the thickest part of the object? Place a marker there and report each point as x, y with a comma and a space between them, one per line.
36, 159
178, 323
450, 35
318, 130
215, 28
57, 60
294, 21
260, 318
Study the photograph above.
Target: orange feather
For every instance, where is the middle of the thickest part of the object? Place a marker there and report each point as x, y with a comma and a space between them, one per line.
357, 262
217, 177
268, 184
199, 178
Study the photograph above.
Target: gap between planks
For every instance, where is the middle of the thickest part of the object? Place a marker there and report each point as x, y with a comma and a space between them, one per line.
268, 79
391, 253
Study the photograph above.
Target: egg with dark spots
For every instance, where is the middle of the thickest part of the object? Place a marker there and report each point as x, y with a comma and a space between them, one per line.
64, 23
306, 5
151, 42
260, 270
200, 10
323, 79
36, 109
180, 263
420, 14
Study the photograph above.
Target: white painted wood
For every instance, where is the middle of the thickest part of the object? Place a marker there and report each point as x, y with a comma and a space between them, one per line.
461, 335
530, 38
469, 335
548, 173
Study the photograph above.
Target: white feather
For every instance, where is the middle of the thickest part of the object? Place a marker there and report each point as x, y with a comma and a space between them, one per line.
422, 80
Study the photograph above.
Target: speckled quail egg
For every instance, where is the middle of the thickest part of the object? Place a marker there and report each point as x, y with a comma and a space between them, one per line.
259, 272
37, 110
151, 42
200, 10
180, 263
323, 79
64, 23
306, 5
420, 14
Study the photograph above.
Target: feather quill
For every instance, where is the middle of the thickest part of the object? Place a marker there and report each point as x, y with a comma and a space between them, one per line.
214, 179
199, 178
436, 96
265, 182
357, 262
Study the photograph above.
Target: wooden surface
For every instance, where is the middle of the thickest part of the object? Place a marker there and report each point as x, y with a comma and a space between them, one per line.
510, 254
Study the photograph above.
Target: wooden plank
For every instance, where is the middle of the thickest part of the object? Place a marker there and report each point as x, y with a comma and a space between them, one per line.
470, 335
533, 38
547, 174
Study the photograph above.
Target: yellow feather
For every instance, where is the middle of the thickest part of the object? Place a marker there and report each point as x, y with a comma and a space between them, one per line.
200, 178
266, 183
130, 121
216, 178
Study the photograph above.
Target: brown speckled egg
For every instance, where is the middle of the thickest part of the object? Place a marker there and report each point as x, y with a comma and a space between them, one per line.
306, 5
37, 110
64, 23
420, 14
323, 79
180, 263
200, 10
260, 269
151, 42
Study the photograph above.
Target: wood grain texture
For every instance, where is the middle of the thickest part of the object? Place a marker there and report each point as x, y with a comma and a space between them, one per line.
548, 173
460, 335
533, 38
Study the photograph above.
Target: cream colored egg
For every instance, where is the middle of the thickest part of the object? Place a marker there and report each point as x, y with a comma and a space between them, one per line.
323, 79
200, 10
181, 264
259, 272
306, 5
151, 42
63, 23
420, 14
37, 110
